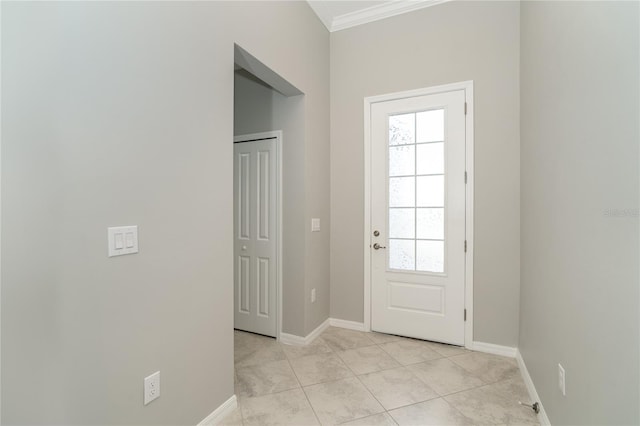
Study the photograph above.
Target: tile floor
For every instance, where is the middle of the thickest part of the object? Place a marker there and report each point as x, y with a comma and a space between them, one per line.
354, 378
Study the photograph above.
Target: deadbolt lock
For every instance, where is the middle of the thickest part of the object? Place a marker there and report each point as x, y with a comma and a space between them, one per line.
376, 233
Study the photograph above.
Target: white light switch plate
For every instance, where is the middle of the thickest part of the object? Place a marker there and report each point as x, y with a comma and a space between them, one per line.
122, 240
315, 225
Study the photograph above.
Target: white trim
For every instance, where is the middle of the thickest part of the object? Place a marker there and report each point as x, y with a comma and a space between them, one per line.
292, 339
350, 325
468, 270
378, 12
491, 348
218, 415
467, 86
317, 332
0, 220
443, 88
367, 213
533, 394
279, 149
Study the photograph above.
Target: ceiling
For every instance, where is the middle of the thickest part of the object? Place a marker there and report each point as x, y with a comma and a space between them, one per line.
340, 14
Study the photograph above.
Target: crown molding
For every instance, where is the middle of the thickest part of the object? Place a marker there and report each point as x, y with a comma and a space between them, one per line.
376, 13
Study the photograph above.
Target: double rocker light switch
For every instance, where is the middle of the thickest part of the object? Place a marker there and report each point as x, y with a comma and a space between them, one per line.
122, 240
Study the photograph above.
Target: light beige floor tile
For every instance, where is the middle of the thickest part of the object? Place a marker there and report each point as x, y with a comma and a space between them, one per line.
251, 349
242, 339
262, 379
380, 338
236, 385
317, 347
488, 405
260, 356
481, 388
284, 408
445, 377
382, 419
342, 401
435, 412
409, 351
490, 368
340, 339
396, 388
513, 389
314, 369
233, 419
447, 350
367, 359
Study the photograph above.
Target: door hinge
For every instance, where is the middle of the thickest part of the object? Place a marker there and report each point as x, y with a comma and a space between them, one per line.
465, 108
465, 246
465, 314
465, 177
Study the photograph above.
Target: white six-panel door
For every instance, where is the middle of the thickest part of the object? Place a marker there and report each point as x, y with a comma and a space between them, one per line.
418, 217
255, 236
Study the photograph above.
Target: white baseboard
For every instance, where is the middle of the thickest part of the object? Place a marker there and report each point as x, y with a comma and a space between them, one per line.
533, 394
220, 413
318, 331
351, 325
291, 339
490, 348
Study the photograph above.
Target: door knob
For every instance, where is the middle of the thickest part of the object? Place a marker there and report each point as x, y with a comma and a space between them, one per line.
377, 246
244, 248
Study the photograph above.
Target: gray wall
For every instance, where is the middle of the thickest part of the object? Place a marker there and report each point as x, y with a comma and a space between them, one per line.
447, 43
117, 114
259, 108
579, 116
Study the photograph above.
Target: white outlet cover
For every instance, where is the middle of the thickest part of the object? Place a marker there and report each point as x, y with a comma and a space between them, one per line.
315, 224
151, 387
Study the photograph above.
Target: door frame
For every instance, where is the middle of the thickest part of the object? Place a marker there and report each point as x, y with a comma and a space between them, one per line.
467, 86
277, 134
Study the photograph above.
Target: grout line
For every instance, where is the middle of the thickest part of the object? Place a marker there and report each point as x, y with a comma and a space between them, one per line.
272, 393
372, 394
406, 367
371, 415
456, 409
392, 418
303, 392
476, 388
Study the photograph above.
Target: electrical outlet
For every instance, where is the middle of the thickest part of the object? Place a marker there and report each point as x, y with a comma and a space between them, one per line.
313, 295
561, 380
151, 387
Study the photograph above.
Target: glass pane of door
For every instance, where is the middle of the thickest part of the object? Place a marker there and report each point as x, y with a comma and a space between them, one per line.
416, 191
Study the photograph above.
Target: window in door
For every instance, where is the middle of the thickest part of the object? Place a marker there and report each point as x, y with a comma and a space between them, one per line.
416, 191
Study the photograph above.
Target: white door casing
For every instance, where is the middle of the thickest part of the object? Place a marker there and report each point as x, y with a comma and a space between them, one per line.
256, 233
415, 281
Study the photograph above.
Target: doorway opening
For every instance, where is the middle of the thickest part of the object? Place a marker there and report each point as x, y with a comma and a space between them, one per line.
419, 214
257, 188
268, 152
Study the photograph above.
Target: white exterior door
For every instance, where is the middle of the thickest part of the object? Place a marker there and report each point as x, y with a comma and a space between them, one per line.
418, 217
255, 235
